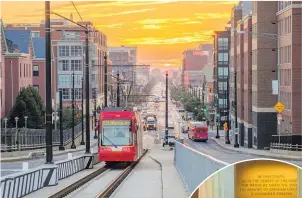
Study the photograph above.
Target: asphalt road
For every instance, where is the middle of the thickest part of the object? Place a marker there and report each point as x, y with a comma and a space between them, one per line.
8, 168
213, 149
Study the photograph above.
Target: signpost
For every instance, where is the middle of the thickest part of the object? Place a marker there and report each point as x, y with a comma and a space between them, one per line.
279, 107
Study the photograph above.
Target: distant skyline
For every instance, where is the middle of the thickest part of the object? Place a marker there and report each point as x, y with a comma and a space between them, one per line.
161, 30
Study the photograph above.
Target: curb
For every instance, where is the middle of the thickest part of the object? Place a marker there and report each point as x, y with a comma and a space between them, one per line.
267, 156
22, 158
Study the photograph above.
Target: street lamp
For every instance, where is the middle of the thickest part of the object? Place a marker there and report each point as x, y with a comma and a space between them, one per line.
73, 146
82, 142
16, 134
5, 130
25, 117
275, 37
95, 119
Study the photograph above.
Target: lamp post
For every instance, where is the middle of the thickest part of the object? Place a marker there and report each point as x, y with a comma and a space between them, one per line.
5, 131
25, 118
82, 112
73, 146
16, 134
166, 114
61, 147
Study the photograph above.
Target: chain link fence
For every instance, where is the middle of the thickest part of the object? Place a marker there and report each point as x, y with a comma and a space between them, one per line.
17, 139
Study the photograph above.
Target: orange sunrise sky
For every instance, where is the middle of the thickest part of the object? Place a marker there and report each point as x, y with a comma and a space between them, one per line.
161, 30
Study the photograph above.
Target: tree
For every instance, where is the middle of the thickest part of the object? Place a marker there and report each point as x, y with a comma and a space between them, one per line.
28, 103
67, 117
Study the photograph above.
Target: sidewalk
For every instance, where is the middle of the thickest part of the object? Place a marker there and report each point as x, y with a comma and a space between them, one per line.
251, 151
28, 155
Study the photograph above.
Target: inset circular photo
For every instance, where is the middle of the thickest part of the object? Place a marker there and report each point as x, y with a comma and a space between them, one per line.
257, 178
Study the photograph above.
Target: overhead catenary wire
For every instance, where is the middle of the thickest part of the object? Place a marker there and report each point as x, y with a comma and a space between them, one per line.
77, 10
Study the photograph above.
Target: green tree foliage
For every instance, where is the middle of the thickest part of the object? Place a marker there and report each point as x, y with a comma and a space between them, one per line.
28, 103
67, 117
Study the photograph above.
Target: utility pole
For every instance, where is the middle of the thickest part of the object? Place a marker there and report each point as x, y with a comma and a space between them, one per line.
217, 111
87, 93
49, 152
73, 146
166, 130
61, 147
118, 90
105, 79
82, 142
227, 139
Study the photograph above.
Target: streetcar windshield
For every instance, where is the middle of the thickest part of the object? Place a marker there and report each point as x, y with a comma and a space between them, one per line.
116, 133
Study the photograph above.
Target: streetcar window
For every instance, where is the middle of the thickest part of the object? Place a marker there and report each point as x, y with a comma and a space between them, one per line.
116, 134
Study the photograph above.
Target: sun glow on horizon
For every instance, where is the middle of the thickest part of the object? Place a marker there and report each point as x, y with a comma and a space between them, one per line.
161, 30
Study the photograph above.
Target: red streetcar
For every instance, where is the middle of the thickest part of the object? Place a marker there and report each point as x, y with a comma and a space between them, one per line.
198, 131
120, 137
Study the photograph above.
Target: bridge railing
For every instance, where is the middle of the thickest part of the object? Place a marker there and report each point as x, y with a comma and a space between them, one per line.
13, 139
194, 167
23, 183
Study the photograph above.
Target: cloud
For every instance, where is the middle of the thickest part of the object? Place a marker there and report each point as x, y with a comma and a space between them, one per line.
152, 27
161, 21
126, 12
190, 22
213, 15
167, 41
160, 62
116, 25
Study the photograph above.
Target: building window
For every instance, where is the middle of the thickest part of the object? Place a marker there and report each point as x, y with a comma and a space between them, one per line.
223, 71
64, 65
64, 80
63, 50
78, 79
65, 93
223, 58
222, 103
93, 93
76, 65
36, 87
35, 70
223, 43
78, 93
35, 34
76, 50
222, 86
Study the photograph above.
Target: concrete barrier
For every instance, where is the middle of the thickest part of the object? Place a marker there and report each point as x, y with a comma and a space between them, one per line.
193, 166
25, 182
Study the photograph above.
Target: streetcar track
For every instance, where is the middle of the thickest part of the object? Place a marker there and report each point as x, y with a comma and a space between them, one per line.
119, 179
74, 186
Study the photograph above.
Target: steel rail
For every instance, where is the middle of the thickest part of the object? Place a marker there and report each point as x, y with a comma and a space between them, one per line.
115, 183
69, 189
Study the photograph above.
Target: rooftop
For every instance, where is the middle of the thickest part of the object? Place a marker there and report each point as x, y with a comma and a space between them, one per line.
39, 46
19, 40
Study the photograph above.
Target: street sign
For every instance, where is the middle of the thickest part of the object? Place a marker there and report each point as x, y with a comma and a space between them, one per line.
275, 86
279, 107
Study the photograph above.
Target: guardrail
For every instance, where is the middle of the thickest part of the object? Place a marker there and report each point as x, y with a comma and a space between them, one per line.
194, 167
13, 139
23, 183
288, 147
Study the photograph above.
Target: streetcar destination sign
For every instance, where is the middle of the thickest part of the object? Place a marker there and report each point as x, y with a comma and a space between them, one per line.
116, 122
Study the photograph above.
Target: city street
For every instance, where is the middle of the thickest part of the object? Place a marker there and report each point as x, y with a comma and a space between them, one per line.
211, 148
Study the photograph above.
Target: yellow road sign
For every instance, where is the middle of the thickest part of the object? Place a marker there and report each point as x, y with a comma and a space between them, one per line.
225, 124
279, 107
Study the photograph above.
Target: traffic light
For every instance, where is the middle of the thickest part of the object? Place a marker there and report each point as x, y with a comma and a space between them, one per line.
204, 110
217, 115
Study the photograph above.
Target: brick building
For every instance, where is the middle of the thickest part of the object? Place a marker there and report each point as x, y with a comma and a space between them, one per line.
68, 47
194, 60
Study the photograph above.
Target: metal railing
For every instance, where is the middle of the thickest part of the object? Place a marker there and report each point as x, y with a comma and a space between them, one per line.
288, 147
20, 139
194, 167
